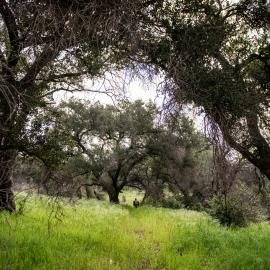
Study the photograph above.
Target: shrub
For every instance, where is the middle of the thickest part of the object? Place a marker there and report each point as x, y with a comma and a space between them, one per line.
174, 202
237, 208
171, 201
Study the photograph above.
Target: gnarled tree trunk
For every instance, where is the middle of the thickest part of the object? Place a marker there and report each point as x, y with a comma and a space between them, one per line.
6, 195
261, 157
110, 185
113, 195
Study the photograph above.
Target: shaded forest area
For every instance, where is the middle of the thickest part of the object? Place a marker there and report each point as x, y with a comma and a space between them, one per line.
214, 55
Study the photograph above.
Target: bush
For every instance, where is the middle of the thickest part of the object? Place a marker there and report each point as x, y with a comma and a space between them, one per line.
172, 201
237, 208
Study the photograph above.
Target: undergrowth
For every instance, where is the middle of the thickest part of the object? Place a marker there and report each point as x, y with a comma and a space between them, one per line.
96, 235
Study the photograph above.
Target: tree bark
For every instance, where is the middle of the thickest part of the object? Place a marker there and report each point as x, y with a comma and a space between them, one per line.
113, 195
110, 185
7, 201
262, 157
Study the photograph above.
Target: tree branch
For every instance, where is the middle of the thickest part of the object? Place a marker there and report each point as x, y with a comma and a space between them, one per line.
13, 33
47, 55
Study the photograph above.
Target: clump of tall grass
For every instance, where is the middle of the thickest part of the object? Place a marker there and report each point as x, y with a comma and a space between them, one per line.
95, 235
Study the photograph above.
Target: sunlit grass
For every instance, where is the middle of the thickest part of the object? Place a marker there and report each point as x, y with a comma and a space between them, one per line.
97, 235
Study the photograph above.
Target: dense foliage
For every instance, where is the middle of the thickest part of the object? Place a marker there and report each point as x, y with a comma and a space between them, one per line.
216, 55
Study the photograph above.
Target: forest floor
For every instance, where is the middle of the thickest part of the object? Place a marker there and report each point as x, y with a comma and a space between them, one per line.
56, 234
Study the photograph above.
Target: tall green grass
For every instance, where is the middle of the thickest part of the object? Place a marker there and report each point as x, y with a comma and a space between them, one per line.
97, 235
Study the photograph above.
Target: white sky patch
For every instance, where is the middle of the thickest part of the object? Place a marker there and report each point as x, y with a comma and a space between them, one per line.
114, 87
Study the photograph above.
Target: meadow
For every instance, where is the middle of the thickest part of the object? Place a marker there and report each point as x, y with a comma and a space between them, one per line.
57, 234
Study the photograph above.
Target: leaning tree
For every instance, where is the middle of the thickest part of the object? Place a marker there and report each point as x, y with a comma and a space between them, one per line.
216, 55
46, 46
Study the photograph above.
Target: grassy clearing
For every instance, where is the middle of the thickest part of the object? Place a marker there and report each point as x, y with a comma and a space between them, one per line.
96, 235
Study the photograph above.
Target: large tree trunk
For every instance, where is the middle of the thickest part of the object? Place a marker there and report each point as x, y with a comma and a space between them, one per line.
113, 195
110, 185
6, 195
261, 157
10, 127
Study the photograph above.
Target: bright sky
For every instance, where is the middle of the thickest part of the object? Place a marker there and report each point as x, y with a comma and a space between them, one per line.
117, 86
125, 87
